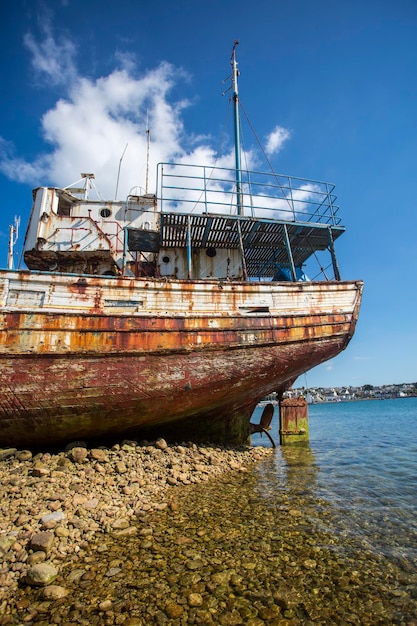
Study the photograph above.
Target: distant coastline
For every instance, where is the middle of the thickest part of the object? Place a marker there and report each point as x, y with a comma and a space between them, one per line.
316, 395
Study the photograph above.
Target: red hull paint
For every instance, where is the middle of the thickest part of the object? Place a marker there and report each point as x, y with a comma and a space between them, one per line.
66, 397
66, 375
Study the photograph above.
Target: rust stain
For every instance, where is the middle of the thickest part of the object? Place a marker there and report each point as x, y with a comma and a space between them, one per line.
87, 370
23, 332
75, 397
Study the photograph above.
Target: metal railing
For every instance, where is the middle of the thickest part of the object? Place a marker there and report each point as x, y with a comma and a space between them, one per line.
203, 189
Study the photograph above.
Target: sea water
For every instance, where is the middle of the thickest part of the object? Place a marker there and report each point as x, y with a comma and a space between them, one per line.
361, 461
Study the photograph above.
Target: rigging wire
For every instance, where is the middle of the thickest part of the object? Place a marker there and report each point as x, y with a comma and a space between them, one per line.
218, 152
264, 153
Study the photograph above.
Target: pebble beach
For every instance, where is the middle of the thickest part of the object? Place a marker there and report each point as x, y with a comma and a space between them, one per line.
149, 533
58, 507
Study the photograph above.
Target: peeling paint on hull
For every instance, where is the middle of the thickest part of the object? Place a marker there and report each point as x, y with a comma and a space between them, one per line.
81, 371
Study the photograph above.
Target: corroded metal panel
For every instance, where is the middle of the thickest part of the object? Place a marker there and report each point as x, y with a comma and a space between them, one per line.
72, 366
175, 297
67, 397
293, 416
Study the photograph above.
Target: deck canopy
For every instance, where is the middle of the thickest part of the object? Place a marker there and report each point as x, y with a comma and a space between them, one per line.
263, 241
279, 221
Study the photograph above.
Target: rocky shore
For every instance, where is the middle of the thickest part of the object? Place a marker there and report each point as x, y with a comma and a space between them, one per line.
54, 505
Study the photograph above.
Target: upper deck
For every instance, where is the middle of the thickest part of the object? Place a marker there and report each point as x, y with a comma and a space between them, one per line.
196, 226
282, 220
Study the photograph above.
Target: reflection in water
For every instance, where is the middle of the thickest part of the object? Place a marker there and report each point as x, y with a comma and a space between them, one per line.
300, 468
293, 470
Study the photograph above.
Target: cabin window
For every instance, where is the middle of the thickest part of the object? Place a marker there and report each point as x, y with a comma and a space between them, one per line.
64, 207
124, 303
254, 310
23, 297
105, 212
211, 252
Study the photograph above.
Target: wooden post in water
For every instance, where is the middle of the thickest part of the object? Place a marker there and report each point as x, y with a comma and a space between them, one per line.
293, 421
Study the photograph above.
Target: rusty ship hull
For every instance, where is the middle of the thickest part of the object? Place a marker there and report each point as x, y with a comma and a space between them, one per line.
94, 357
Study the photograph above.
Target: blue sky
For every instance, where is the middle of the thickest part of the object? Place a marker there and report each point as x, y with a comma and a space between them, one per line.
335, 83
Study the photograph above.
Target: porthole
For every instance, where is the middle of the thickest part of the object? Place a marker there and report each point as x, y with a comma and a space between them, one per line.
211, 252
105, 212
165, 259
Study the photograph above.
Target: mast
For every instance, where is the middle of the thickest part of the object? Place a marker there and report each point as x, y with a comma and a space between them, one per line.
148, 139
13, 235
235, 74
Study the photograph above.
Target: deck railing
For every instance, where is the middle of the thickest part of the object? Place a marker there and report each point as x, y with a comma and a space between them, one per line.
203, 189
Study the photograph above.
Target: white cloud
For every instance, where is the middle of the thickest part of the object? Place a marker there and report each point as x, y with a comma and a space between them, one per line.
90, 129
276, 140
93, 121
51, 59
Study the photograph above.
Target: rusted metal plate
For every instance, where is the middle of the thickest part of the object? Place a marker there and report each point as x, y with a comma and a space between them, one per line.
66, 396
81, 370
293, 420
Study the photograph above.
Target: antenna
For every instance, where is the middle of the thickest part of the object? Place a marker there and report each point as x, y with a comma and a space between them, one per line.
118, 173
148, 133
13, 236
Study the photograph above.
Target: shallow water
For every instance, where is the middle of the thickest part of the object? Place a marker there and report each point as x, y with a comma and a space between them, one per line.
362, 461
318, 534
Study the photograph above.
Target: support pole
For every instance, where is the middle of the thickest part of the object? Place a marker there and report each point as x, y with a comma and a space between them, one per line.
289, 252
189, 259
293, 421
333, 255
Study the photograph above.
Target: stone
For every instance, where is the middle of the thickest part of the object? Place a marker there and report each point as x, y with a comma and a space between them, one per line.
42, 541
78, 454
6, 543
121, 467
121, 523
222, 578
55, 592
161, 444
130, 443
64, 462
105, 605
195, 599
174, 610
194, 564
56, 516
42, 574
97, 454
113, 571
37, 557
126, 532
24, 455
75, 575
92, 504
269, 612
40, 470
6, 453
